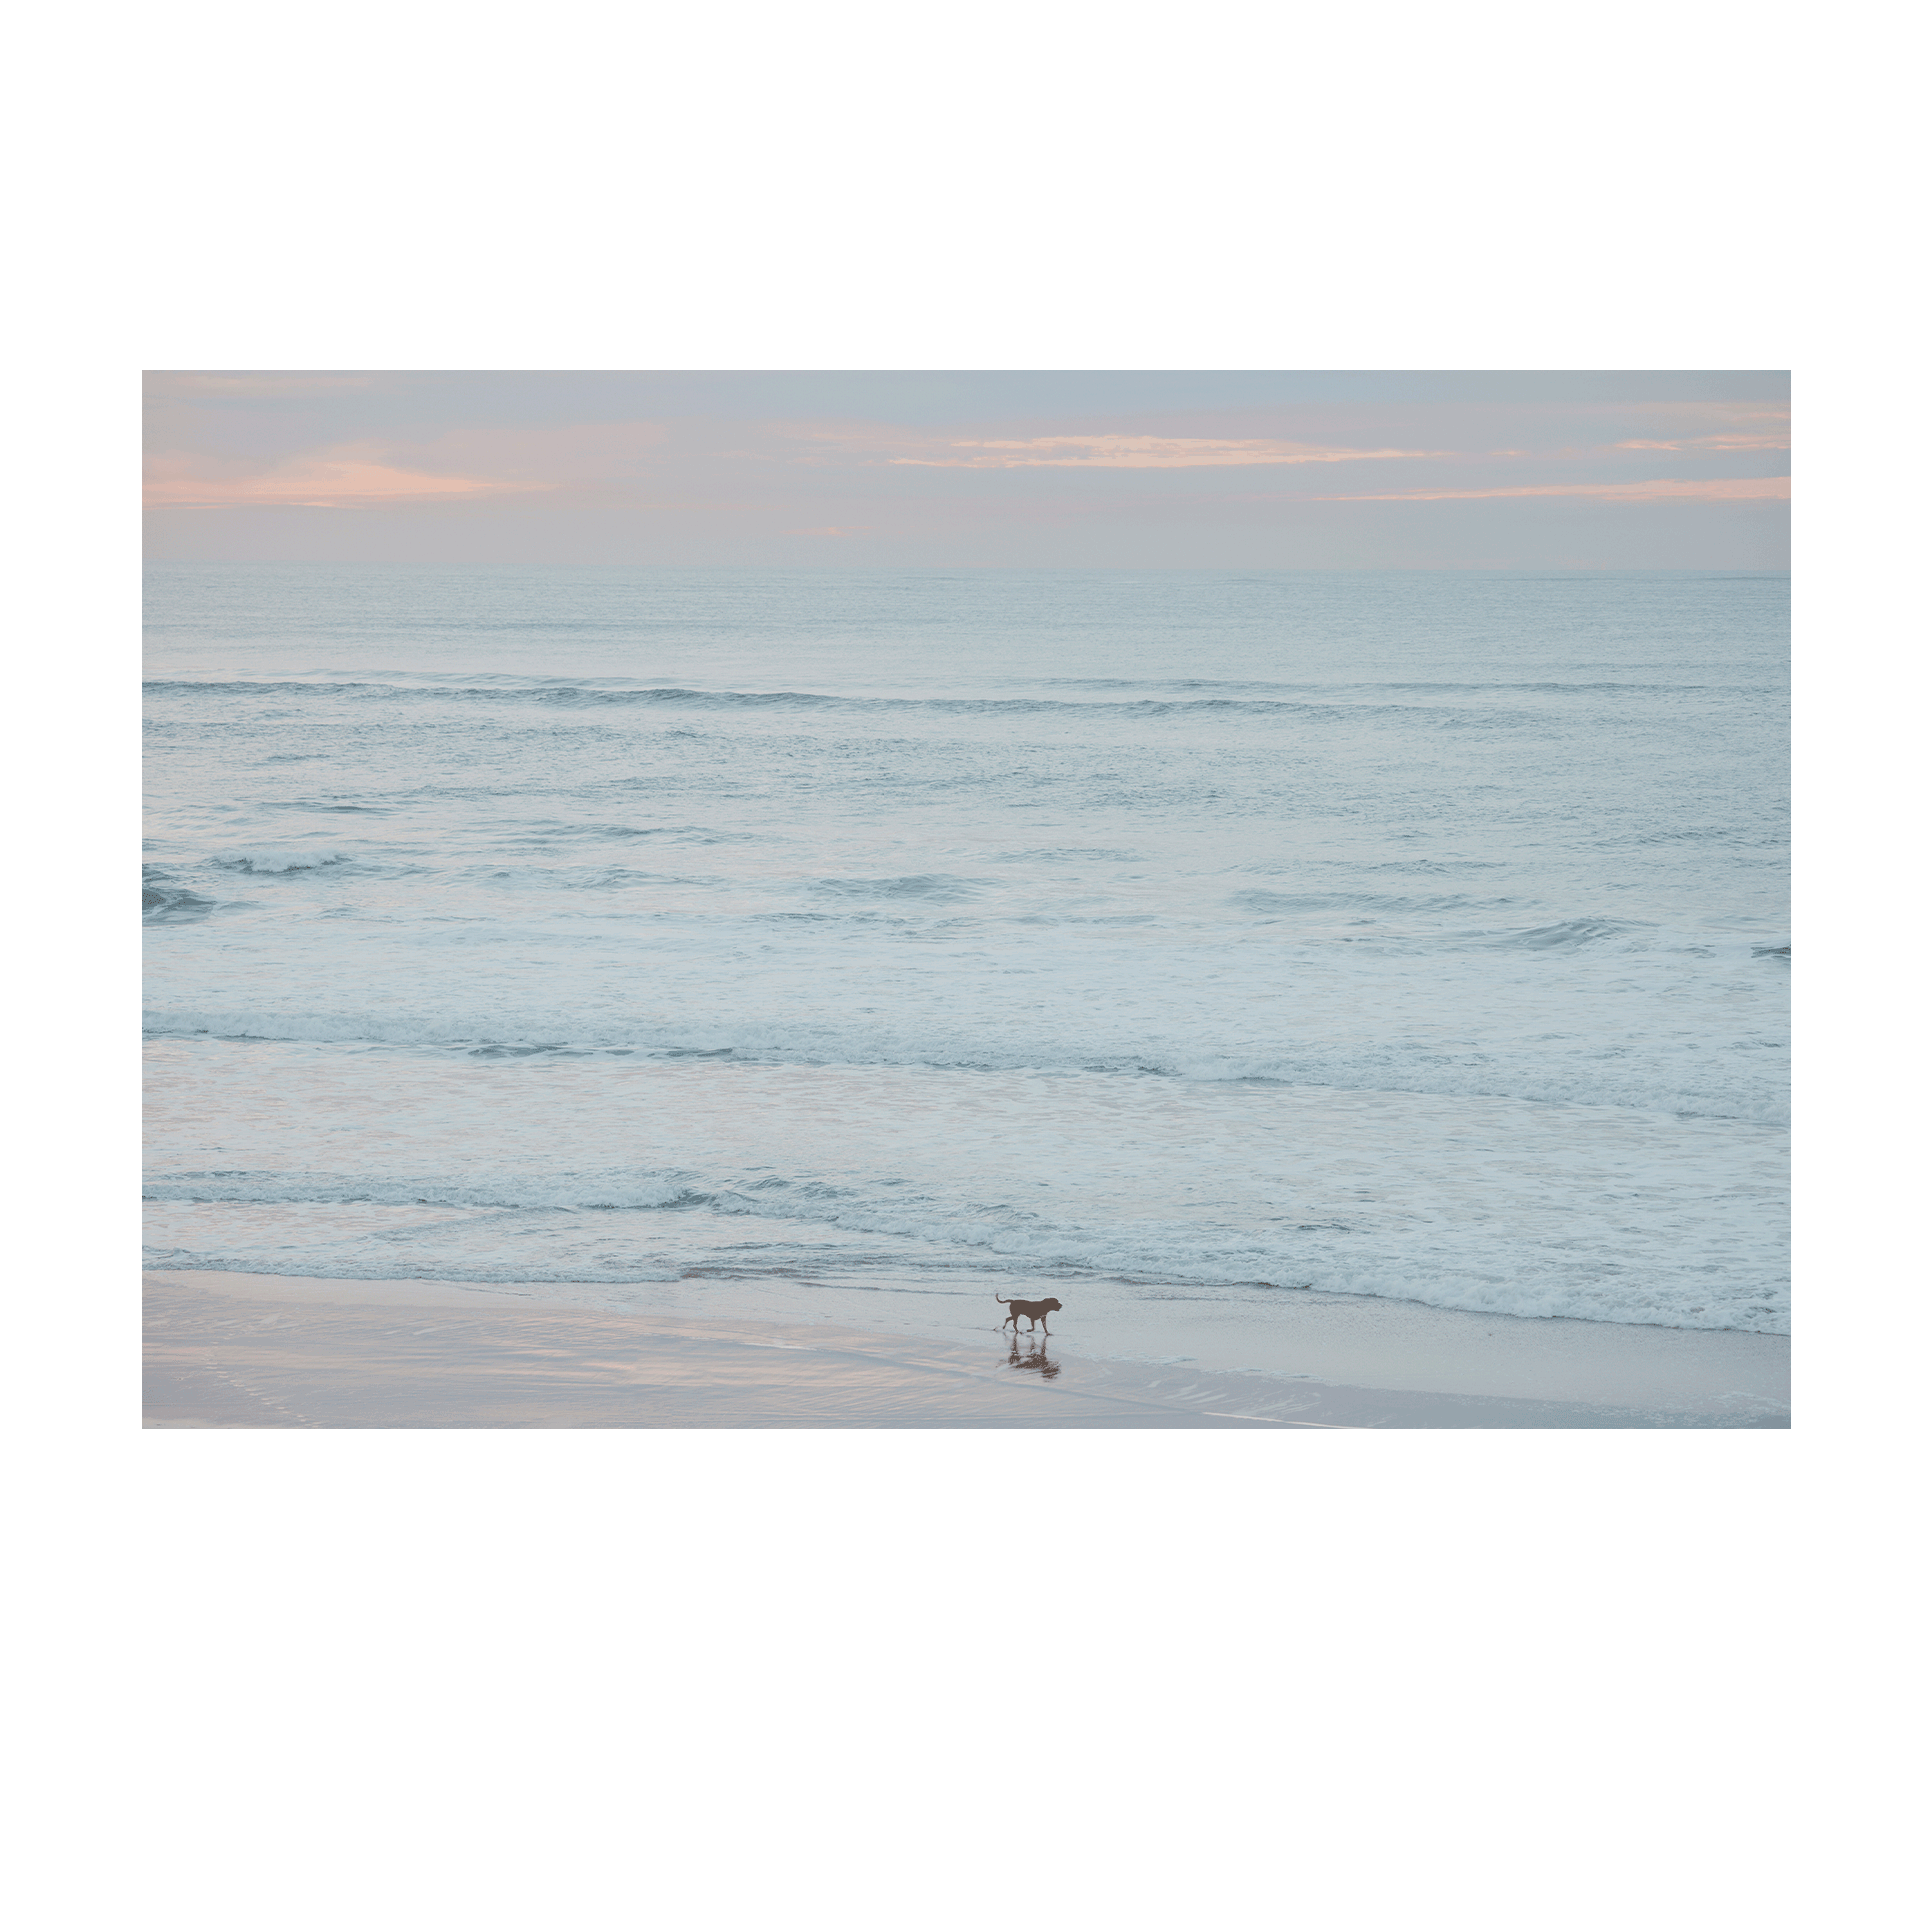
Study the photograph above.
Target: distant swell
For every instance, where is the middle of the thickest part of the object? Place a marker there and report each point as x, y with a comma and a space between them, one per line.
724, 700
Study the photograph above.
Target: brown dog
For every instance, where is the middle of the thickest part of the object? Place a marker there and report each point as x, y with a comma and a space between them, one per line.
1036, 1312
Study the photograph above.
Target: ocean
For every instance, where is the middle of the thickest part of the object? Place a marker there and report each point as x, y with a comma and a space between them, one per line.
841, 943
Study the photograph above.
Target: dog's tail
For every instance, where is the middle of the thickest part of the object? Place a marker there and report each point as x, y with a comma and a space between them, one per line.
1002, 1302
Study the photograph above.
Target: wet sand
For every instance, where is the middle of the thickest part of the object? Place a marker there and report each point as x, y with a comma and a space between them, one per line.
264, 1350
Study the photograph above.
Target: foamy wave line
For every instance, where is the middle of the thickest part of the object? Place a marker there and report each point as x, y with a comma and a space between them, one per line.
413, 680
720, 699
277, 860
1759, 1099
618, 1189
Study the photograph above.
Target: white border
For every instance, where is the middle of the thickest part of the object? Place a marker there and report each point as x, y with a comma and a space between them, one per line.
711, 1673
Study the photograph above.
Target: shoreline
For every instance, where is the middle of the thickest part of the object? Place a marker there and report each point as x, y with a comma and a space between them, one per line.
269, 1350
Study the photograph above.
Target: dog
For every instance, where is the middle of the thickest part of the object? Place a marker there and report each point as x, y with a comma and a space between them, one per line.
1036, 1312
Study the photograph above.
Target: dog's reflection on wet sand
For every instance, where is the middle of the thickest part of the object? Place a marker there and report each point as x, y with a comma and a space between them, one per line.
1034, 1358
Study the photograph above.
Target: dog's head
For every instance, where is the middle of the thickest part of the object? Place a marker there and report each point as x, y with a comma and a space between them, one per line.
1049, 1306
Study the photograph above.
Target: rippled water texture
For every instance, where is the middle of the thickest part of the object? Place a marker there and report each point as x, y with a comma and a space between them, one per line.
1414, 935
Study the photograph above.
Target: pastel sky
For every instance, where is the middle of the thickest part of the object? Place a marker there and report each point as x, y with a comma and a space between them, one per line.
973, 469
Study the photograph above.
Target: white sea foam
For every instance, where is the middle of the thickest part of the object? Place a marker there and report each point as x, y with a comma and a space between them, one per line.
275, 859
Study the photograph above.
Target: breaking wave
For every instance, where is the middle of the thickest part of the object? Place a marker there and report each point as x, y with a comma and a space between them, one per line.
173, 903
278, 860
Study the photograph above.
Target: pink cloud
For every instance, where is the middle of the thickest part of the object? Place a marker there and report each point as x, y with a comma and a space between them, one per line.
1148, 450
1772, 488
1711, 443
449, 466
310, 483
580, 454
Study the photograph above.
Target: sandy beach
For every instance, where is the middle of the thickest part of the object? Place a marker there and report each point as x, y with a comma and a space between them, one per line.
262, 1350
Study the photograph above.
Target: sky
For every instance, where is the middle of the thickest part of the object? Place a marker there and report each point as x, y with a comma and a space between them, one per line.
1213, 469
